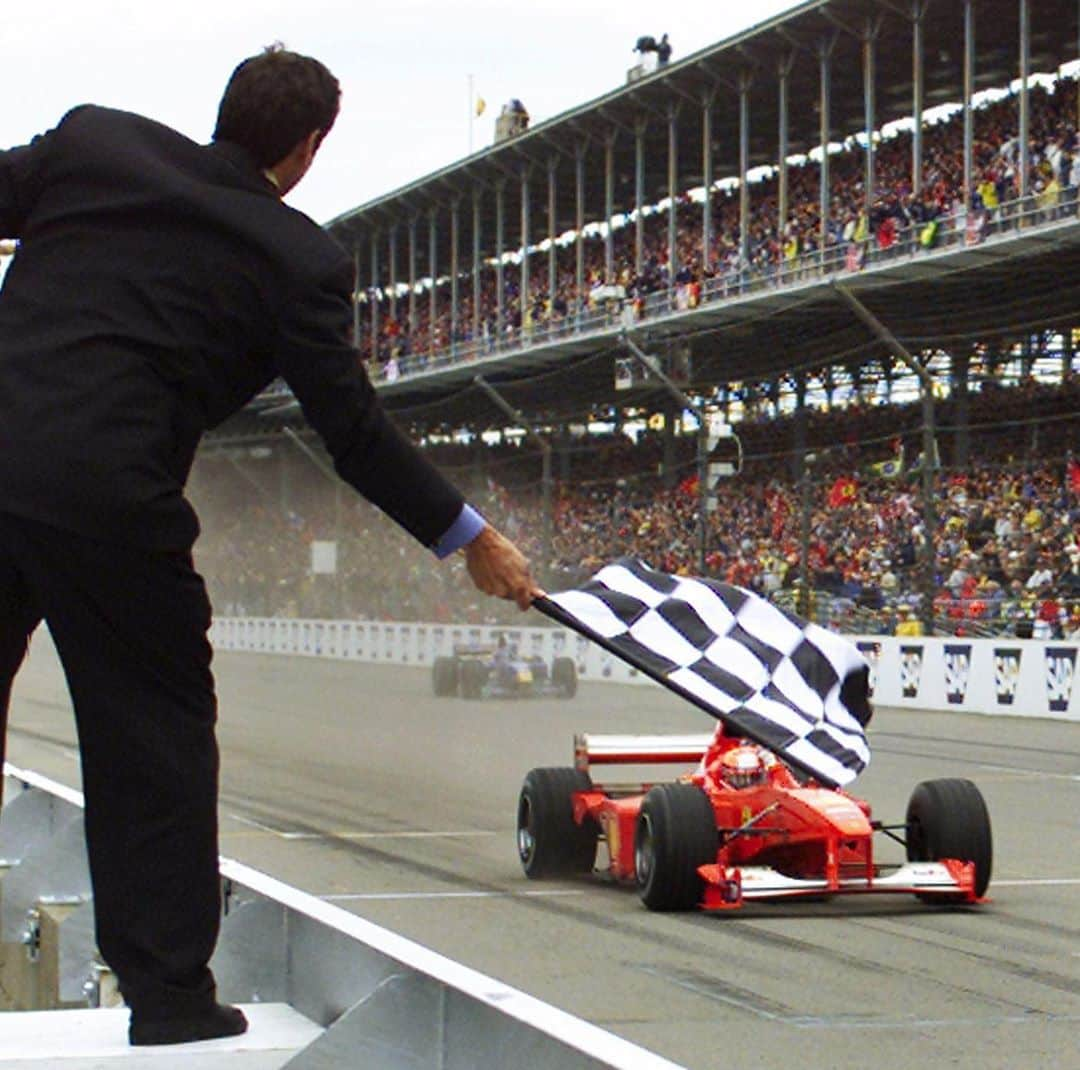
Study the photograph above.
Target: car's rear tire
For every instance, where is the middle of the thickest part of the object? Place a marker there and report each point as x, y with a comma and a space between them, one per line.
473, 676
948, 819
550, 842
564, 676
444, 676
675, 833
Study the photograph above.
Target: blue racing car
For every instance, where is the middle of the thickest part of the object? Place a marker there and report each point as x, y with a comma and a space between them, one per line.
498, 671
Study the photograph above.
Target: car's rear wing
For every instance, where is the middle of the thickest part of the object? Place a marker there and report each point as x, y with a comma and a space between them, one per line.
590, 749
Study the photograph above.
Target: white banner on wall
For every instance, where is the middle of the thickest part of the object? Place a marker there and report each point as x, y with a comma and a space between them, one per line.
1019, 677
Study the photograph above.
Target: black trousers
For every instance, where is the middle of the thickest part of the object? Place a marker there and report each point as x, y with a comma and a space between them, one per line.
130, 627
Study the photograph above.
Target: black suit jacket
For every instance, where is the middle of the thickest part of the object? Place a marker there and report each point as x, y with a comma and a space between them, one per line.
159, 284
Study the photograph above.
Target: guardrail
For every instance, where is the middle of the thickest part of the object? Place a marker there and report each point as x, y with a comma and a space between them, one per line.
948, 232
384, 1002
1003, 675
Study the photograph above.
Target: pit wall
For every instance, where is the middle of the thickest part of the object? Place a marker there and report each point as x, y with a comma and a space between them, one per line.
1016, 677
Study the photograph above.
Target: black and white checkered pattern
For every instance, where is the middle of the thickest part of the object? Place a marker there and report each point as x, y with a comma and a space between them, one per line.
794, 687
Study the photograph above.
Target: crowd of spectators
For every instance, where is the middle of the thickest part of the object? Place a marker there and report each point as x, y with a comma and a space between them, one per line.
1007, 536
899, 217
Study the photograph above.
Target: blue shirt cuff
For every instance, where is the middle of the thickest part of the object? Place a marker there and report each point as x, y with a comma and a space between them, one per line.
461, 532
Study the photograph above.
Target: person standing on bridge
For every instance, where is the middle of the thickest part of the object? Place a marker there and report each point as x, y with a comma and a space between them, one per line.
158, 286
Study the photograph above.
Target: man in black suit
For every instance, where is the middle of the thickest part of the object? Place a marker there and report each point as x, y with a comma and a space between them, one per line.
159, 285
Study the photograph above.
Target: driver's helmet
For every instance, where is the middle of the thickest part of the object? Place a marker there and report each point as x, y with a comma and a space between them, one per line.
742, 767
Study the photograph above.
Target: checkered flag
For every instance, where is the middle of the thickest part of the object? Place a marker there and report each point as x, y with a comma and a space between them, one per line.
792, 686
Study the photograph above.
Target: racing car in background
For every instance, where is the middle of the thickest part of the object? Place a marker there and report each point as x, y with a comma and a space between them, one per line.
743, 825
496, 670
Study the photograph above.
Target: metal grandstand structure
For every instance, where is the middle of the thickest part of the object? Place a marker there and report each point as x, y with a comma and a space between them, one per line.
827, 72
720, 114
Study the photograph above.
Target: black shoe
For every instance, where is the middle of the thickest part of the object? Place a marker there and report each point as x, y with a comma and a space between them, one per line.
220, 1020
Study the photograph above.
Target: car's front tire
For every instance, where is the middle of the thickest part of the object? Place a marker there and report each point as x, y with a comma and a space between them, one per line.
948, 819
675, 833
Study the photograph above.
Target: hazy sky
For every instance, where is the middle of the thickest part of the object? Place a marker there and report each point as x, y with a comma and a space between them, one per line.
404, 67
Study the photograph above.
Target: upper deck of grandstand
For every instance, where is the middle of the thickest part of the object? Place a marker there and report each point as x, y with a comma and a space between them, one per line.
579, 207
919, 49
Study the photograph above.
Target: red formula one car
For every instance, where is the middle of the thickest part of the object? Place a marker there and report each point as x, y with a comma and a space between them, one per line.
743, 826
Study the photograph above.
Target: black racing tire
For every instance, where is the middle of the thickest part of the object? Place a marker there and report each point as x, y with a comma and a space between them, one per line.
564, 676
550, 843
539, 669
444, 676
949, 819
675, 833
473, 677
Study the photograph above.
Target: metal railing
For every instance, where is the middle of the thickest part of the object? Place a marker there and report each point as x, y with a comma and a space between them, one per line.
735, 282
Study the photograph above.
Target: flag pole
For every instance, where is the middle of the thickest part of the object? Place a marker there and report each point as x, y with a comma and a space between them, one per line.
471, 110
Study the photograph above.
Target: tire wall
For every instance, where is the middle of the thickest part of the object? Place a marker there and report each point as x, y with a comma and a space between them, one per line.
1015, 677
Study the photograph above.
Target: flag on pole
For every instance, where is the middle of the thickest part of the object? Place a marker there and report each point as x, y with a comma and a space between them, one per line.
843, 492
792, 686
481, 106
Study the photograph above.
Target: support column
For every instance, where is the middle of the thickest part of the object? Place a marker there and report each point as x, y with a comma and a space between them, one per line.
476, 266
707, 102
412, 283
526, 229
825, 50
433, 271
669, 463
552, 210
918, 93
393, 271
800, 423
1025, 96
673, 181
961, 362
783, 150
356, 296
969, 113
869, 109
374, 298
744, 170
609, 207
639, 196
455, 235
500, 312
579, 226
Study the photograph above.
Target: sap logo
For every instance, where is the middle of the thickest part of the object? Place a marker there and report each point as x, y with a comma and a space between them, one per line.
1060, 669
957, 671
910, 669
1006, 674
872, 653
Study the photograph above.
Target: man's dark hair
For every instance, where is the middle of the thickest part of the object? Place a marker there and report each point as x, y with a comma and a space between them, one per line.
273, 101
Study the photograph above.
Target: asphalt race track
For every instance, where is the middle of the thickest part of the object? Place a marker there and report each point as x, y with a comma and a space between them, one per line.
355, 783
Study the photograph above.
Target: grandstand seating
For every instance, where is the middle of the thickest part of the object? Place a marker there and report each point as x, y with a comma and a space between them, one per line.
1004, 521
901, 222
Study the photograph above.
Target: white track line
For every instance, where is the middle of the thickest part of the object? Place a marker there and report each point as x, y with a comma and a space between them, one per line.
350, 897
402, 835
1028, 882
1013, 771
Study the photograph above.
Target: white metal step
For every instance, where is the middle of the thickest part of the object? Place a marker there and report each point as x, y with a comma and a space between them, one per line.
97, 1040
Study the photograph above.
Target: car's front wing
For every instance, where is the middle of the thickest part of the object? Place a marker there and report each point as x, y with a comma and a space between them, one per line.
728, 888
